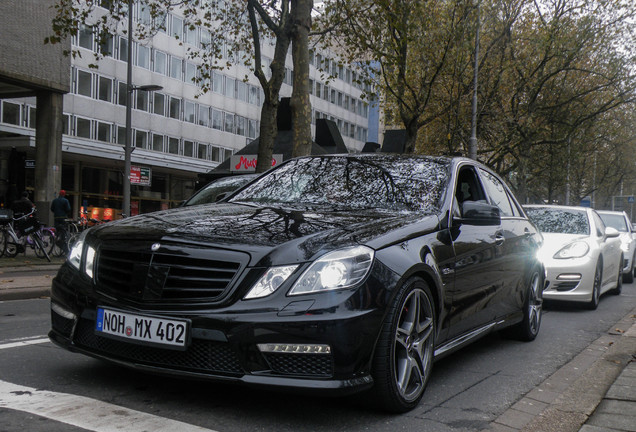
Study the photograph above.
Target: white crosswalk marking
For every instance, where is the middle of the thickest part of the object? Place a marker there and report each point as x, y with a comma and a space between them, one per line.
24, 342
86, 413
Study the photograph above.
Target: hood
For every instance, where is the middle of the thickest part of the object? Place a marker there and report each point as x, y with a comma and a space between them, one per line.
271, 235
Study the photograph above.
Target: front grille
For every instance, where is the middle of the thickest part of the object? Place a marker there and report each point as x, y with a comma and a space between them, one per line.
201, 356
566, 286
174, 273
300, 364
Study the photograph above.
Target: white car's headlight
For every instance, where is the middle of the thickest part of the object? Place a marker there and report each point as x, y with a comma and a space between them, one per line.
270, 281
335, 270
625, 246
575, 249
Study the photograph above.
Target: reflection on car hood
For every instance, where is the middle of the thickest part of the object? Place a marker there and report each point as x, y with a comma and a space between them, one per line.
260, 231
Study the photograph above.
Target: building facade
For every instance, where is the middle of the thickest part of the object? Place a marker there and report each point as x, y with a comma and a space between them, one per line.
178, 131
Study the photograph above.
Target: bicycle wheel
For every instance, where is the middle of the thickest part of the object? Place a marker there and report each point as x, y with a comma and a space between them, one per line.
37, 239
10, 245
3, 241
48, 243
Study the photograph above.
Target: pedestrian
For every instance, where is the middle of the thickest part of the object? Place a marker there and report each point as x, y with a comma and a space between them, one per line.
22, 206
61, 209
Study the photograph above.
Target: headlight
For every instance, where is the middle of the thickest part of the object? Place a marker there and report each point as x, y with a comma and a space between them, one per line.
625, 246
335, 270
575, 249
75, 255
270, 281
90, 259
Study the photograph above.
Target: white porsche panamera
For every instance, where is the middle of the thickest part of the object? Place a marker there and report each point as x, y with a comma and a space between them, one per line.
582, 257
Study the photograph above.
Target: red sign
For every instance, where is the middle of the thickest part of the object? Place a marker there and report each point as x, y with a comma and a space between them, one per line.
140, 175
247, 163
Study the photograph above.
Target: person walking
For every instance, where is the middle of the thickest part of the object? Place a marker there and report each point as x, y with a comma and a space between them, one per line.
61, 209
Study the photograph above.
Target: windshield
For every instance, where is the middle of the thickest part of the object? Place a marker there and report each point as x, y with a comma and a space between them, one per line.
616, 221
213, 190
557, 220
393, 183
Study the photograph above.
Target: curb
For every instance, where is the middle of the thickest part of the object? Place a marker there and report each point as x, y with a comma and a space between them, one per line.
567, 399
25, 293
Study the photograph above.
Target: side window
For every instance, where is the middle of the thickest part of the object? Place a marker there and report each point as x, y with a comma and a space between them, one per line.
600, 226
497, 193
468, 187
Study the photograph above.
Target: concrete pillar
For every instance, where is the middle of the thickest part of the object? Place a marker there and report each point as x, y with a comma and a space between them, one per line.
48, 152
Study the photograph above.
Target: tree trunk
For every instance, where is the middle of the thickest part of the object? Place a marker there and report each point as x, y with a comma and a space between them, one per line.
300, 103
411, 136
267, 137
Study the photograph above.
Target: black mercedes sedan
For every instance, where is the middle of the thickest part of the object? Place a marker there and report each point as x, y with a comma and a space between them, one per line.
334, 274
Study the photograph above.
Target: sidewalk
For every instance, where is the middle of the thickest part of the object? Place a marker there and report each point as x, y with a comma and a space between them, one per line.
26, 276
594, 392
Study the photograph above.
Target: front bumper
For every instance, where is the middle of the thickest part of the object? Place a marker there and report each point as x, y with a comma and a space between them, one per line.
569, 279
223, 344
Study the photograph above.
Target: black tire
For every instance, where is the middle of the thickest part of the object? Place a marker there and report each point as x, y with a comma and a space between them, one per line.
528, 329
619, 280
404, 353
596, 289
48, 243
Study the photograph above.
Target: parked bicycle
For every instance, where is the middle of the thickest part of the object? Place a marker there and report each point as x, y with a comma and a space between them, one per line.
22, 232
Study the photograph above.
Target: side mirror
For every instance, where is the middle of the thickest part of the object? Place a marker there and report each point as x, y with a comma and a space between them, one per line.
479, 213
611, 232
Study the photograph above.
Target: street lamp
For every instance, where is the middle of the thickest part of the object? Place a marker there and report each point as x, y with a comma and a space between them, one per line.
130, 89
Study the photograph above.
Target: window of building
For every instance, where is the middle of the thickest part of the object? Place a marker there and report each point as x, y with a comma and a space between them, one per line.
157, 142
107, 45
241, 91
65, 124
173, 145
175, 108
229, 87
10, 113
251, 128
176, 66
84, 83
190, 73
142, 100
177, 27
339, 101
121, 135
141, 139
217, 119
346, 102
123, 49
206, 39
204, 116
143, 56
121, 93
104, 131
160, 64
159, 103
188, 148
254, 95
217, 83
83, 127
214, 154
85, 38
105, 89
228, 123
240, 126
188, 111
333, 97
191, 34
202, 151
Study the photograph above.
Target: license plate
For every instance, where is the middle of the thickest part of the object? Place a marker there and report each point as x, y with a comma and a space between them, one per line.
142, 329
